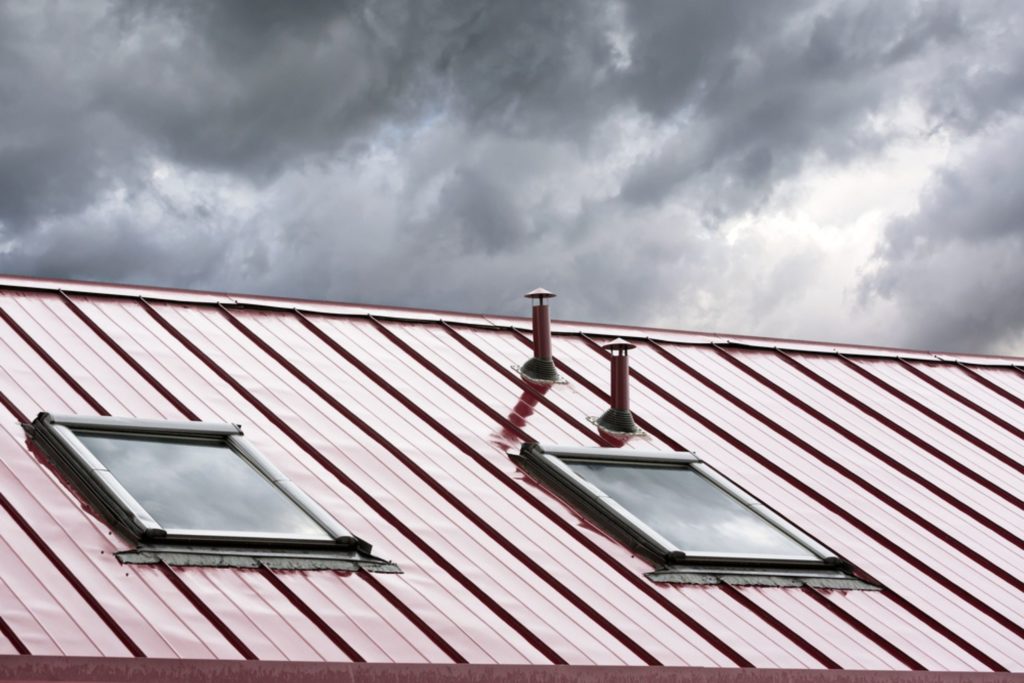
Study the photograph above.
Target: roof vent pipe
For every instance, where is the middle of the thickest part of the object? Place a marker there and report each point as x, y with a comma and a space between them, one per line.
618, 418
541, 367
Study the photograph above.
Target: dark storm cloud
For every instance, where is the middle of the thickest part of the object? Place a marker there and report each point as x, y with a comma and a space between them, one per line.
474, 216
783, 88
57, 150
454, 154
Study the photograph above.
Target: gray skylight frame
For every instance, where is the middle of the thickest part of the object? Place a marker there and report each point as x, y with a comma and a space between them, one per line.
548, 463
56, 433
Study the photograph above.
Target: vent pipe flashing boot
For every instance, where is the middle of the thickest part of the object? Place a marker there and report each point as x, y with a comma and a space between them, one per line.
540, 368
618, 419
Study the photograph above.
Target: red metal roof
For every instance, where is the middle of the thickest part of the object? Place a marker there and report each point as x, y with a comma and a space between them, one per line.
909, 464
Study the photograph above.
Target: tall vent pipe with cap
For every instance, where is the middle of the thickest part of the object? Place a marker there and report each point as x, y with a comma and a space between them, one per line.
618, 417
541, 368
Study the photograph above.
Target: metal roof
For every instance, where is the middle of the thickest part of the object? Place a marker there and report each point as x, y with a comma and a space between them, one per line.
398, 422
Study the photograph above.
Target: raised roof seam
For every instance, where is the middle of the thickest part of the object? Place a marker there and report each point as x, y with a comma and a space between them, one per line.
950, 461
189, 414
183, 373
185, 411
7, 632
190, 596
819, 597
989, 384
55, 560
452, 384
413, 618
931, 414
945, 631
52, 362
207, 611
783, 628
310, 614
963, 400
903, 469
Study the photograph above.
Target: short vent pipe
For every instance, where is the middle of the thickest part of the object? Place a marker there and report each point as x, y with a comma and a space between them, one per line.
618, 417
541, 368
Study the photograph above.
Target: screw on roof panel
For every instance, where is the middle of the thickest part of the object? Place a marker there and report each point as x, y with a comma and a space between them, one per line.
540, 368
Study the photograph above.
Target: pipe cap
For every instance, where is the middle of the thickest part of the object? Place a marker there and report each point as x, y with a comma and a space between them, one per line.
618, 344
540, 293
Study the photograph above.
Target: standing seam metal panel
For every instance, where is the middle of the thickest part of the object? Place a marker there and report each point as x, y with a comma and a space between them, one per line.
722, 629
794, 505
465, 512
172, 372
450, 467
61, 358
811, 651
918, 498
1004, 591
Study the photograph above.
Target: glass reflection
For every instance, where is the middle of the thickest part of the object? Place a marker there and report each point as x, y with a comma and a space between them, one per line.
202, 485
688, 510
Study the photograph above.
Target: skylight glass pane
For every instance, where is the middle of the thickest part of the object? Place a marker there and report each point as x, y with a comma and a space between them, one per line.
689, 510
198, 485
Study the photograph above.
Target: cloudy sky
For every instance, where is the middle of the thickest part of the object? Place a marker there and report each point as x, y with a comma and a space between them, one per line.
829, 170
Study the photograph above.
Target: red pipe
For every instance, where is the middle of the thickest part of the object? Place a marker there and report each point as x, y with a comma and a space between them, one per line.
620, 380
542, 331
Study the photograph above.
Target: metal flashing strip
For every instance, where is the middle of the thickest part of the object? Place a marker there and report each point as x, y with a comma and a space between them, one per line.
622, 454
779, 578
254, 558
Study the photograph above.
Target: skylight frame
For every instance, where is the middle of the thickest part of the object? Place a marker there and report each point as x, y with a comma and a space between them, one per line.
57, 435
549, 464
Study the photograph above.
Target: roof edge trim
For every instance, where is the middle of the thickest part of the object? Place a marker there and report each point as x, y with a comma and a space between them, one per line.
493, 322
116, 669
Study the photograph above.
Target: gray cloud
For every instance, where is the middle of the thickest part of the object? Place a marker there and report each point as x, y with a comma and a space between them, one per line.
953, 267
787, 87
455, 154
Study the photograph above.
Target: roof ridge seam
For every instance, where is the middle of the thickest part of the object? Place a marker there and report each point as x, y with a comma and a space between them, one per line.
222, 299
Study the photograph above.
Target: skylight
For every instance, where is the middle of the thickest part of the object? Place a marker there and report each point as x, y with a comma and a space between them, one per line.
199, 486
689, 511
675, 509
194, 491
